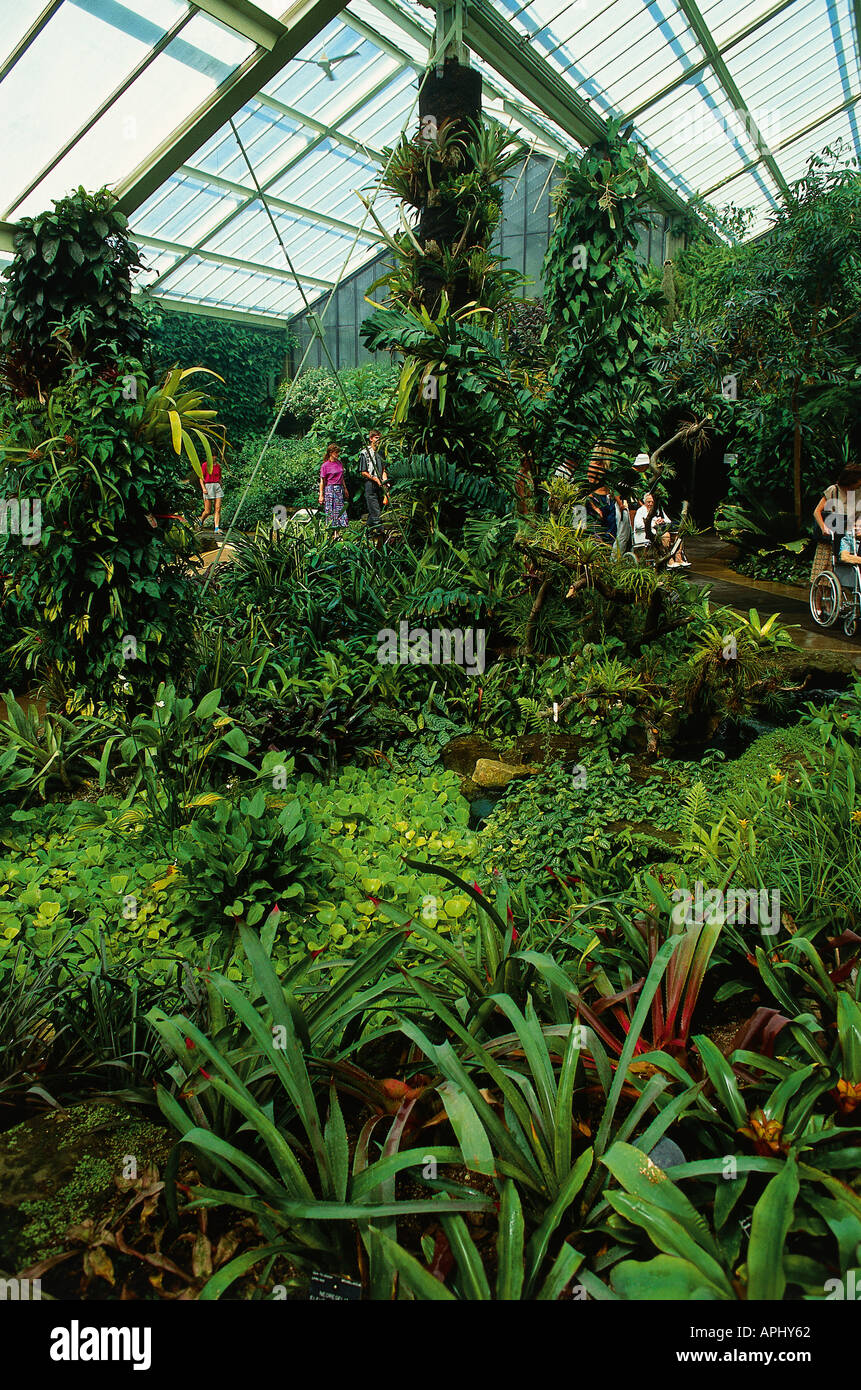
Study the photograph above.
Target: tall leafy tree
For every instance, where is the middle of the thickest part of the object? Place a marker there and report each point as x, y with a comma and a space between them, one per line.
87, 450
604, 388
779, 317
457, 415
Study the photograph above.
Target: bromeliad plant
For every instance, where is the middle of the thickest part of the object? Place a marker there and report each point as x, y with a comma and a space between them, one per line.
42, 750
695, 1263
292, 1164
524, 1269
675, 1001
533, 1070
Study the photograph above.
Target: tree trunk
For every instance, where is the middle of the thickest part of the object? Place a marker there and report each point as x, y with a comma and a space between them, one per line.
452, 99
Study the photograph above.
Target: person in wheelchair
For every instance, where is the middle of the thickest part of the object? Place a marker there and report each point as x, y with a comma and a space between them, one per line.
836, 593
848, 566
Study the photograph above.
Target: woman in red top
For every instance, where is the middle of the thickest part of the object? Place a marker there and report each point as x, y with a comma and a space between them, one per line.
333, 490
210, 486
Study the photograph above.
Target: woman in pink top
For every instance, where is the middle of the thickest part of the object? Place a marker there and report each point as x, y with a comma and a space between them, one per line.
333, 490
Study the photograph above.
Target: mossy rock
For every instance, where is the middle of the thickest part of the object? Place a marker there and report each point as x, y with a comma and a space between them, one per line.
461, 753
483, 766
778, 749
60, 1168
491, 773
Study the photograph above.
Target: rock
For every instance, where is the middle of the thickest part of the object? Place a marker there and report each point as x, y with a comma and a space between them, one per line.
461, 753
490, 773
65, 1166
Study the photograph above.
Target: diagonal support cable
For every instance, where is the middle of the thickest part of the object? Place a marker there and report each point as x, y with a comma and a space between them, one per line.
316, 321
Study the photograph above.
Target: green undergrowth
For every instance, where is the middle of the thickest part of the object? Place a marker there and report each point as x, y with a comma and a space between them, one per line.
104, 890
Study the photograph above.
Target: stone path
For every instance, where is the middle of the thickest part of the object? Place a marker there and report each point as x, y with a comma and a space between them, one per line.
709, 558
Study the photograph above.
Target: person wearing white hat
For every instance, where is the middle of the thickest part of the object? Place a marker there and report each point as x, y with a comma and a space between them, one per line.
641, 462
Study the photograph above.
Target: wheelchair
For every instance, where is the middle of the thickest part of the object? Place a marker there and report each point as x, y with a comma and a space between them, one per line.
836, 594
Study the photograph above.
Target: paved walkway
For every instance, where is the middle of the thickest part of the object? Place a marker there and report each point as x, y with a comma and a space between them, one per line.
709, 557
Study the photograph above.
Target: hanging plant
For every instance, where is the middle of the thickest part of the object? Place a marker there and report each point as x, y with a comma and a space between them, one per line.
68, 292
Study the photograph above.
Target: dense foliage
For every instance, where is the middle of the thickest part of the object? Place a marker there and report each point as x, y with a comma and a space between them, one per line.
781, 316
458, 408
69, 290
250, 362
475, 916
603, 387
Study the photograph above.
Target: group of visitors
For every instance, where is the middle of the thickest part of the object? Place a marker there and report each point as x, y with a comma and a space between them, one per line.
333, 493
625, 522
621, 521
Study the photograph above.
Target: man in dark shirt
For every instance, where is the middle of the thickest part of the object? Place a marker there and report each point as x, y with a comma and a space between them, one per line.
373, 470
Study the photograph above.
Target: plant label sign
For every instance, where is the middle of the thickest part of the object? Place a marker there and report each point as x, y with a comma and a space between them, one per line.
331, 1288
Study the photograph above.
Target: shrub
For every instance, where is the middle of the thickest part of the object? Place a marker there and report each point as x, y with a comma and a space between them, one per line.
69, 286
317, 401
287, 477
249, 359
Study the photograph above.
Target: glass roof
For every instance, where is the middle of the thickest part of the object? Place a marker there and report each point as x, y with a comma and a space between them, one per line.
240, 147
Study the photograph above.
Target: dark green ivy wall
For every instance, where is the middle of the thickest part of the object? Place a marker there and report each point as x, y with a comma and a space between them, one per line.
251, 360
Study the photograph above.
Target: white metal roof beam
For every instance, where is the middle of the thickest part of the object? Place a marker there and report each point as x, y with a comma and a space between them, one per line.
302, 22
279, 174
242, 190
332, 131
706, 41
246, 19
785, 144
274, 320
232, 262
30, 37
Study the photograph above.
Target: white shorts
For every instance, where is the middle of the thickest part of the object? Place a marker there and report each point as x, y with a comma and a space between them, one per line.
213, 491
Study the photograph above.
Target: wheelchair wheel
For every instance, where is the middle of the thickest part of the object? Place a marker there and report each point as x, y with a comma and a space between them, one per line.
850, 625
826, 598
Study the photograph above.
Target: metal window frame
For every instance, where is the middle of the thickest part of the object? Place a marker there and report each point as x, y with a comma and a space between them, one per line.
324, 133
301, 24
29, 38
495, 40
546, 105
178, 248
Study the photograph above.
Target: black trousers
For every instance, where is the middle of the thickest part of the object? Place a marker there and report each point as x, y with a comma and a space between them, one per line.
373, 502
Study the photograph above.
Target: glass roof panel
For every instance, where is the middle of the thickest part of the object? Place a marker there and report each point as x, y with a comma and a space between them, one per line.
106, 83
73, 65
841, 127
811, 37
17, 23
171, 86
185, 209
